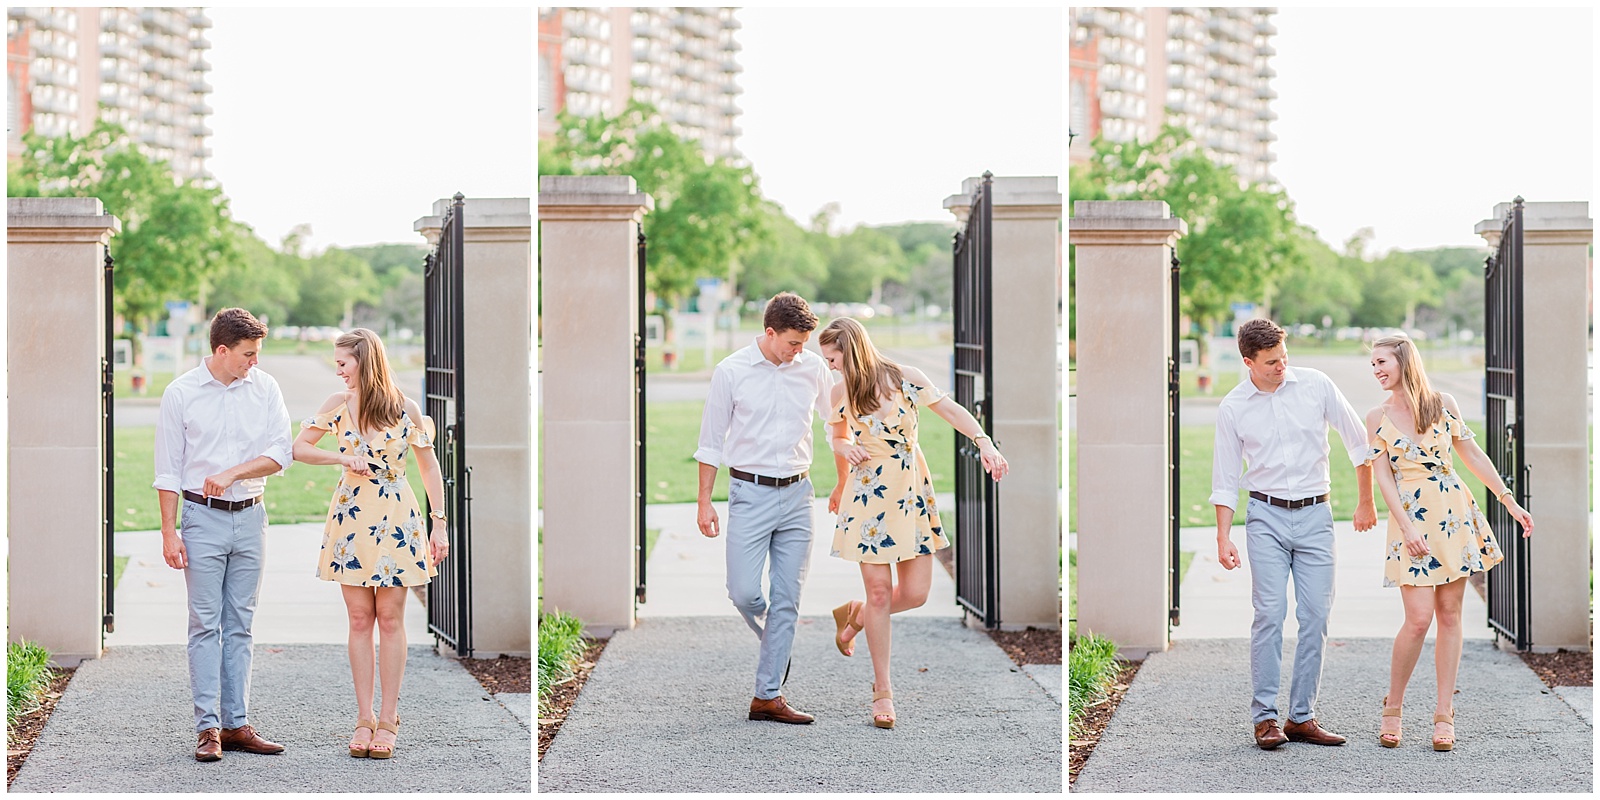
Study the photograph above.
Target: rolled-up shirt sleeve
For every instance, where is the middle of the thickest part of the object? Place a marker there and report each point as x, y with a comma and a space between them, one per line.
279, 447
169, 443
1227, 462
715, 418
1352, 430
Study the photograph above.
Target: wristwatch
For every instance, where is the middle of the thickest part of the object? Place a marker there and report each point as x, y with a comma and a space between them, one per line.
437, 514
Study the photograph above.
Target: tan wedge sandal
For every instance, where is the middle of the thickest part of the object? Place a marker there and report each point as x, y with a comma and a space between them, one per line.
882, 720
388, 751
360, 751
1445, 743
1383, 736
845, 616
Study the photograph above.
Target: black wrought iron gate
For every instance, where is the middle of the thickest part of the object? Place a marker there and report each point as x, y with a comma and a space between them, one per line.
1503, 406
1173, 543
638, 415
108, 611
977, 510
450, 594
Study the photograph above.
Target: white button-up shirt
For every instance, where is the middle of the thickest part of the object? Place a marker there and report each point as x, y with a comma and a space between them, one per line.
1283, 436
207, 427
758, 415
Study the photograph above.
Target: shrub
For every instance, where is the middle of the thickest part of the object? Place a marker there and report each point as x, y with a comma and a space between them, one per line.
560, 649
27, 678
1091, 671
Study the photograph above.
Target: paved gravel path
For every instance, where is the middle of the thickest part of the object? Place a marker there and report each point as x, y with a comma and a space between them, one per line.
1184, 726
665, 711
125, 725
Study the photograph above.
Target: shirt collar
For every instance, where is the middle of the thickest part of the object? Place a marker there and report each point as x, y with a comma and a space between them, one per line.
756, 356
205, 364
1288, 377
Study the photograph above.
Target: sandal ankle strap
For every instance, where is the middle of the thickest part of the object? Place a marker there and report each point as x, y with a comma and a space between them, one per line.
1391, 712
1450, 718
392, 728
885, 694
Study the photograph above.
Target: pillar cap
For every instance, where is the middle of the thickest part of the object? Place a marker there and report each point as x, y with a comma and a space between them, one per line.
481, 212
1570, 217
592, 197
1014, 196
59, 219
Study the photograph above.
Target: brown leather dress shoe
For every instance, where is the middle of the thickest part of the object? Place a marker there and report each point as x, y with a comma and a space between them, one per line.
210, 746
1310, 733
777, 710
1268, 735
246, 739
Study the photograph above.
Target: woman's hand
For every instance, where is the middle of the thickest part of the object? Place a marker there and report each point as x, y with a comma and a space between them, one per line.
1416, 546
853, 453
835, 497
993, 463
357, 465
439, 542
1521, 515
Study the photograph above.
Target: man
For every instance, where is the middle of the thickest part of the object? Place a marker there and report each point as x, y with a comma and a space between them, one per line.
757, 420
223, 429
1277, 422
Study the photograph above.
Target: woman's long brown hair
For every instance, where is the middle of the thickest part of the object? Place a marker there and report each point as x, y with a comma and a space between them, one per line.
865, 370
381, 402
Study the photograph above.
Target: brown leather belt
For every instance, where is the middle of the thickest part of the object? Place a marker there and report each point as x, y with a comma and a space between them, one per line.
1309, 501
225, 505
764, 480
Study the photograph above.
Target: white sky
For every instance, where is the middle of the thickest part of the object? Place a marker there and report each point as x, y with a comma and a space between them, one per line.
347, 119
1416, 122
886, 111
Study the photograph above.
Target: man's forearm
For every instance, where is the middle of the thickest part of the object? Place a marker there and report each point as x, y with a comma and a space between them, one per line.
1224, 522
708, 479
169, 510
258, 467
1364, 484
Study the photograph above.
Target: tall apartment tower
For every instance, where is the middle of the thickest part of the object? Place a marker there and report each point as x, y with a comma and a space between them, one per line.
142, 68
683, 61
1204, 69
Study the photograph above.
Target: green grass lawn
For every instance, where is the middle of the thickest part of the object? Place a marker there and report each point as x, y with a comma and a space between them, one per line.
301, 494
673, 433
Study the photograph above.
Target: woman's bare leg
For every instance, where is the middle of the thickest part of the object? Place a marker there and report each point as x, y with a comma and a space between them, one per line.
1418, 601
1447, 651
391, 605
910, 591
361, 610
875, 616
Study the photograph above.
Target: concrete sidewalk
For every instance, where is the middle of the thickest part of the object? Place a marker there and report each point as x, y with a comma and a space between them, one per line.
1184, 726
126, 723
665, 709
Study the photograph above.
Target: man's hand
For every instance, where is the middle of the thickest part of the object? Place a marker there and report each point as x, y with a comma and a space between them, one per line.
1227, 554
172, 550
218, 483
707, 520
1366, 516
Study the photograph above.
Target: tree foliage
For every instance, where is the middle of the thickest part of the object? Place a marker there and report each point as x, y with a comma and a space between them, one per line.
174, 233
1240, 237
707, 213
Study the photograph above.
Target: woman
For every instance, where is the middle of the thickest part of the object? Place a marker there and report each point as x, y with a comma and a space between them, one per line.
1437, 535
890, 516
373, 542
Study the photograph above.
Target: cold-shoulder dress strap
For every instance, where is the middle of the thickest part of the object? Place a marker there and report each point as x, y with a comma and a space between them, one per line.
324, 420
1458, 427
922, 395
419, 434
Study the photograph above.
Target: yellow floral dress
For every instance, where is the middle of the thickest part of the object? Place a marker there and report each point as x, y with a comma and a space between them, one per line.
1441, 508
376, 534
887, 513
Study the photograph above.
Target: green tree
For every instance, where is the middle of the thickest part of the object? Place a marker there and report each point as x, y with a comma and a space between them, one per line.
787, 259
1321, 284
859, 264
258, 278
174, 232
707, 213
1240, 236
331, 284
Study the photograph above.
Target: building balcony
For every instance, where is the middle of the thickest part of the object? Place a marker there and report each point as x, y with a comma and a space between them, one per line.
203, 152
1265, 135
1266, 50
1266, 93
1119, 55
199, 64
1266, 72
199, 43
53, 47
54, 19
117, 71
198, 19
1265, 27
151, 89
1183, 56
731, 66
199, 129
116, 48
200, 107
114, 98
1266, 114
200, 86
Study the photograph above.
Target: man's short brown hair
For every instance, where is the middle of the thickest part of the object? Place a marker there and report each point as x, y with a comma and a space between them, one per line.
1257, 335
788, 312
233, 325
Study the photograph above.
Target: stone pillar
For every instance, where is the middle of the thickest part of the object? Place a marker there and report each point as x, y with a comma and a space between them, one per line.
1555, 257
588, 249
1124, 306
55, 328
497, 298
1026, 421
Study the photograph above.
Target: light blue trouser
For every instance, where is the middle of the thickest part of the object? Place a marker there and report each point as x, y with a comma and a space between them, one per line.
226, 550
1283, 542
769, 522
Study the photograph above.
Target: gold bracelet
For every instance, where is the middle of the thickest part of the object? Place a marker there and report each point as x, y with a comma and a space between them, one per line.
1504, 493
